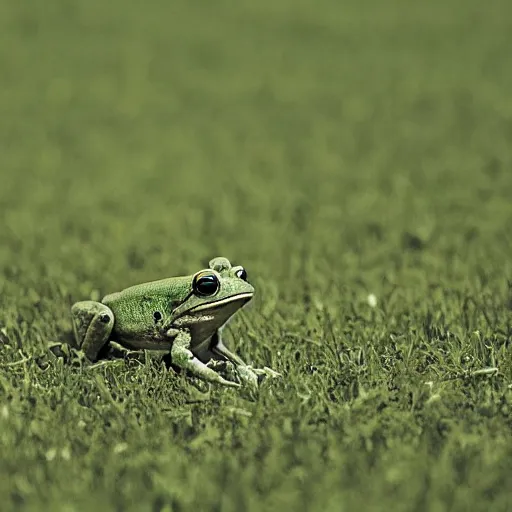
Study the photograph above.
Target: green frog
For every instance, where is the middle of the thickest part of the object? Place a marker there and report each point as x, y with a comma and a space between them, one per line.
182, 315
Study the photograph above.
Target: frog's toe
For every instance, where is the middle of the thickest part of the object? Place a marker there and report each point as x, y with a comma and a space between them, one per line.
247, 375
267, 372
228, 383
249, 381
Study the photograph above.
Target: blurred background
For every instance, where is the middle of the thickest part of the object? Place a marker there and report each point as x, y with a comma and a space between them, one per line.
140, 141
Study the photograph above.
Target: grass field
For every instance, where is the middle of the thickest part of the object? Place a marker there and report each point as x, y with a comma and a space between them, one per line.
336, 150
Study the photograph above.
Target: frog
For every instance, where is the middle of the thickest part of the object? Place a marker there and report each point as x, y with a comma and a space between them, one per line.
183, 316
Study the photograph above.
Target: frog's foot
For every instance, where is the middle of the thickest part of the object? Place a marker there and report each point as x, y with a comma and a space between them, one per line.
115, 350
249, 377
225, 368
92, 323
243, 374
183, 358
253, 378
66, 352
74, 356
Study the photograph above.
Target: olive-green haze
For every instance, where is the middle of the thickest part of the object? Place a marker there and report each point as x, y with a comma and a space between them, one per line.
355, 157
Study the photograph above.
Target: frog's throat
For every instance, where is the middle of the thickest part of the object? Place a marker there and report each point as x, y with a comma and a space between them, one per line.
241, 297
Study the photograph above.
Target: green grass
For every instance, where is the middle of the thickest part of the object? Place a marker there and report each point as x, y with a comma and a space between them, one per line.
336, 150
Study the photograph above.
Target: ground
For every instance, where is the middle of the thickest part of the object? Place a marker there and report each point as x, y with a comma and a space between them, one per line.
355, 157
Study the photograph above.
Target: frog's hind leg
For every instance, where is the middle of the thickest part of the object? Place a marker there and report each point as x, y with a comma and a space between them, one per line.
92, 324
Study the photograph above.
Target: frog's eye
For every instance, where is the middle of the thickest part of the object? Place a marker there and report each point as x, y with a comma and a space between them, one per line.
206, 284
241, 273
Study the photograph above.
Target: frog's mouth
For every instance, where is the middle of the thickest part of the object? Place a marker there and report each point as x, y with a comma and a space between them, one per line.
205, 319
230, 304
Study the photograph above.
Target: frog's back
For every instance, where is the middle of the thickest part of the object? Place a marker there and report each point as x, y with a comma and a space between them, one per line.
136, 308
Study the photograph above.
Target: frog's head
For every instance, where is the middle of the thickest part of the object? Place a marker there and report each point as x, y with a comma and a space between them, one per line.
215, 294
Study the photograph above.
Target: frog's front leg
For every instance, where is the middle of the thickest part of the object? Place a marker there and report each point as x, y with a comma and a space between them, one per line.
182, 356
92, 324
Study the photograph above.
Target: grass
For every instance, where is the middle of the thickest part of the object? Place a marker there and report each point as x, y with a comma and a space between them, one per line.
336, 150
